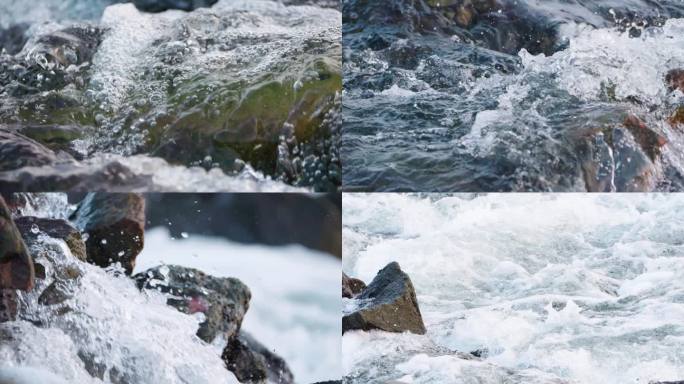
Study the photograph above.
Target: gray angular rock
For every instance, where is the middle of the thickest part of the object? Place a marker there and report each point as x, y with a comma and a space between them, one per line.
115, 225
389, 303
223, 300
30, 227
351, 286
16, 264
251, 362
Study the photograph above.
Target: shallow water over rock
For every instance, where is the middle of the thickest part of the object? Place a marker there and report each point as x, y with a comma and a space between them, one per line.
246, 83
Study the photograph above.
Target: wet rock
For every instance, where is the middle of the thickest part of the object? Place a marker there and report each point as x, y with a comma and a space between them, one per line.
70, 46
39, 271
94, 367
50, 62
108, 174
17, 151
223, 300
31, 227
55, 293
389, 303
8, 305
649, 140
114, 224
13, 38
251, 362
677, 118
163, 5
16, 264
351, 286
675, 79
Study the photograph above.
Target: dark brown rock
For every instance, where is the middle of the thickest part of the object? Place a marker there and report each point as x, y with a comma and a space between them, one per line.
16, 265
114, 225
251, 362
649, 140
675, 79
223, 300
389, 303
55, 228
351, 286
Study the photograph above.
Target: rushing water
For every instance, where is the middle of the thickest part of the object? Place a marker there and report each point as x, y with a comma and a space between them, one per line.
549, 288
511, 95
110, 326
244, 88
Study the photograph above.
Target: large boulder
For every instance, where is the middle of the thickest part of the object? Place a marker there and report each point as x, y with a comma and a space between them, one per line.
16, 264
389, 303
251, 362
223, 300
163, 5
351, 286
114, 225
30, 227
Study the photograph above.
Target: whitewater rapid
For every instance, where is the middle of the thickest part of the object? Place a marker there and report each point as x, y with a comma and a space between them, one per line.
294, 312
549, 288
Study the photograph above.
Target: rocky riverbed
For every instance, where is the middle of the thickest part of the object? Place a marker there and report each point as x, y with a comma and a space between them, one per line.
76, 306
233, 95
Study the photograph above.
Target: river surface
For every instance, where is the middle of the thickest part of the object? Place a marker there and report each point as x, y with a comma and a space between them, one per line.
510, 95
548, 289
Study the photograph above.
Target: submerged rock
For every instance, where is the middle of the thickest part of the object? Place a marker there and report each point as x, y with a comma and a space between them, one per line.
649, 140
115, 226
16, 264
163, 5
389, 303
251, 362
351, 286
223, 300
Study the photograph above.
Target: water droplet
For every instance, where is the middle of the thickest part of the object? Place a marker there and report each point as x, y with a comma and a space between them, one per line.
103, 241
35, 229
121, 253
184, 235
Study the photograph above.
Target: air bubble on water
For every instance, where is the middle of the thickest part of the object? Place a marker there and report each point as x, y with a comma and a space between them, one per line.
35, 229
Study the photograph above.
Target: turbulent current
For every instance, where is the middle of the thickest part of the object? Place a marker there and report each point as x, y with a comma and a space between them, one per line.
504, 95
545, 289
244, 95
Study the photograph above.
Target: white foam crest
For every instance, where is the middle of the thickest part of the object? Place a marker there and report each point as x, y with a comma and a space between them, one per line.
605, 57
